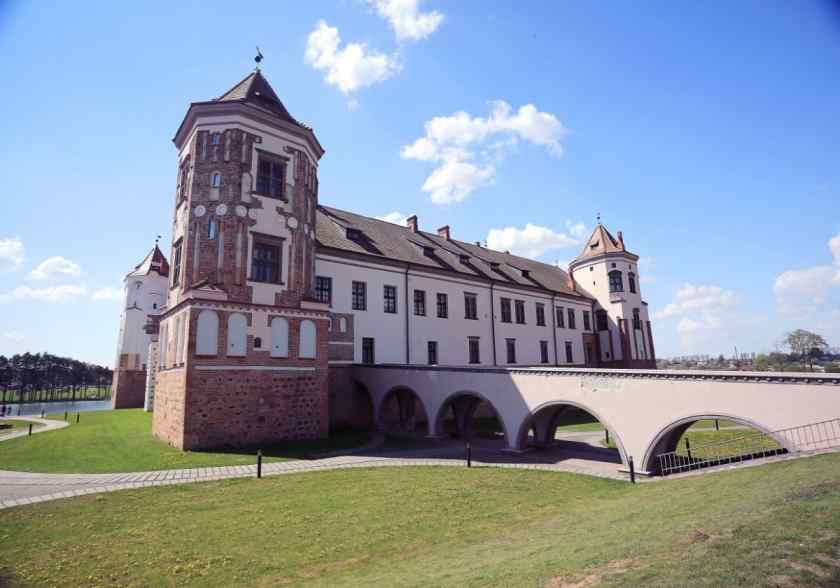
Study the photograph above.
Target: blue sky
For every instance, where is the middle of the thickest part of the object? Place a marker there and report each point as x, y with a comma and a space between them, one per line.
707, 132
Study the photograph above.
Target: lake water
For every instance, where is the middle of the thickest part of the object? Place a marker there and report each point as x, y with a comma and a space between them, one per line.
35, 408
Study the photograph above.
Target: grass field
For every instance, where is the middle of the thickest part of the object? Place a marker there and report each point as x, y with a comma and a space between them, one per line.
122, 441
777, 525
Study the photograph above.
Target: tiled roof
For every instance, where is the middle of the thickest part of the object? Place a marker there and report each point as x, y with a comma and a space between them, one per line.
346, 231
255, 89
600, 243
154, 261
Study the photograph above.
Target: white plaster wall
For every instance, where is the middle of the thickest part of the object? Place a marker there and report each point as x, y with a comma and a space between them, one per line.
529, 335
143, 296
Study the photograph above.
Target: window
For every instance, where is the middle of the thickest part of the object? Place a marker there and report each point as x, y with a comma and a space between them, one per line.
631, 282
432, 346
279, 337
561, 318
601, 320
215, 139
637, 319
540, 315
176, 263
212, 228
543, 351
587, 325
442, 305
510, 345
616, 283
368, 350
215, 180
475, 355
569, 357
308, 339
257, 342
323, 289
505, 302
571, 314
265, 260
420, 302
207, 336
470, 306
359, 296
270, 177
183, 176
237, 332
519, 308
390, 296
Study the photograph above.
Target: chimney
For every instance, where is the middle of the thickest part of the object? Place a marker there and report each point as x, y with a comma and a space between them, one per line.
444, 232
621, 239
411, 223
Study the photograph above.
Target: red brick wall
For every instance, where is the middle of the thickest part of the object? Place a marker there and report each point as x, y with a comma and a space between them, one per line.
170, 395
129, 388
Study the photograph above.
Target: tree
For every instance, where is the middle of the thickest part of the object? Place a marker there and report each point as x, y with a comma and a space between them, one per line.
761, 363
806, 345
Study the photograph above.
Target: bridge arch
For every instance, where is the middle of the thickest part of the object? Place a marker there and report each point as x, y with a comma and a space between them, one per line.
402, 410
668, 437
544, 420
464, 405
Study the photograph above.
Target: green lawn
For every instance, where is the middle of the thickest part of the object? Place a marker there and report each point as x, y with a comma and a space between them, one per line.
777, 524
122, 441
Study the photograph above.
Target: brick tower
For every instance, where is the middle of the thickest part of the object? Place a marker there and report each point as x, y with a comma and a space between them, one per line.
243, 343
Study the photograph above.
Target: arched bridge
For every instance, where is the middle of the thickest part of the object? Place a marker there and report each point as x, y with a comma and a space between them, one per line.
645, 410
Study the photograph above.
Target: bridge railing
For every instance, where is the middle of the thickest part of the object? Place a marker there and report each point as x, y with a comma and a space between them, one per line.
753, 445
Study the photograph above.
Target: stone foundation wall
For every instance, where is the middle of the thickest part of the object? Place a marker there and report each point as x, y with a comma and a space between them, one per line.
170, 395
129, 388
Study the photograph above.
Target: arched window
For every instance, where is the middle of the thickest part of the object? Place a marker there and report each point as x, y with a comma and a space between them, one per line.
237, 328
342, 325
212, 228
279, 337
616, 283
215, 139
216, 180
207, 333
631, 282
307, 339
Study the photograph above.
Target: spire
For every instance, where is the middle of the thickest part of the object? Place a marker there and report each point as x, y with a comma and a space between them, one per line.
155, 261
255, 89
600, 242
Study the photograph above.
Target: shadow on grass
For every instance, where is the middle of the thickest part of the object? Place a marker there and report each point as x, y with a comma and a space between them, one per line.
339, 440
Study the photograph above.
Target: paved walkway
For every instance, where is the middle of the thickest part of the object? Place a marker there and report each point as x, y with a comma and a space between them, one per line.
46, 425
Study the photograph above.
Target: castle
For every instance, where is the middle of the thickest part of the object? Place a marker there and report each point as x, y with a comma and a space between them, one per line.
252, 332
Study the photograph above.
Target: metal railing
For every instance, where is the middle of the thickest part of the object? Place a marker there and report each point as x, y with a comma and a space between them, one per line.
752, 445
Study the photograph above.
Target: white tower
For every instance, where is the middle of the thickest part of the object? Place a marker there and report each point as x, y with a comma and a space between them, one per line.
145, 297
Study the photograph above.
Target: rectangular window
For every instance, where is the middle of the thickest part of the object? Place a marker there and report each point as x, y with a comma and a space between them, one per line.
616, 283
601, 320
475, 355
420, 302
569, 358
510, 345
631, 282
543, 351
323, 289
470, 306
519, 308
540, 314
561, 318
389, 294
442, 305
368, 355
432, 352
637, 320
571, 313
265, 260
183, 177
176, 262
359, 296
587, 325
506, 317
270, 177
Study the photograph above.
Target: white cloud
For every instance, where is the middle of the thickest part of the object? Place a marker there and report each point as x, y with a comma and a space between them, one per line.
395, 217
55, 266
405, 17
811, 290
108, 293
11, 254
351, 67
692, 299
531, 241
48, 294
467, 149
709, 315
13, 336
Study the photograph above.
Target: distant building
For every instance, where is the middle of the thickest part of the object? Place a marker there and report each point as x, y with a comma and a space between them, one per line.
273, 298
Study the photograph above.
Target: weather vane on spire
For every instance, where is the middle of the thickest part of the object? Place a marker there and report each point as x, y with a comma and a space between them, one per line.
258, 58
157, 240
598, 218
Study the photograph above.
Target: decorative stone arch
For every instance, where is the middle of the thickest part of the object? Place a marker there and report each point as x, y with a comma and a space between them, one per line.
405, 401
464, 404
667, 438
279, 337
308, 340
237, 330
207, 333
545, 421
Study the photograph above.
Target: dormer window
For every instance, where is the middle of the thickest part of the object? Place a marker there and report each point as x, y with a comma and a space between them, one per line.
464, 259
594, 245
428, 251
526, 273
354, 234
271, 174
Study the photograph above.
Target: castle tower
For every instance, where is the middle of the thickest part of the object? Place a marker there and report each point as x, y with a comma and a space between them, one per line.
608, 272
145, 296
243, 344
